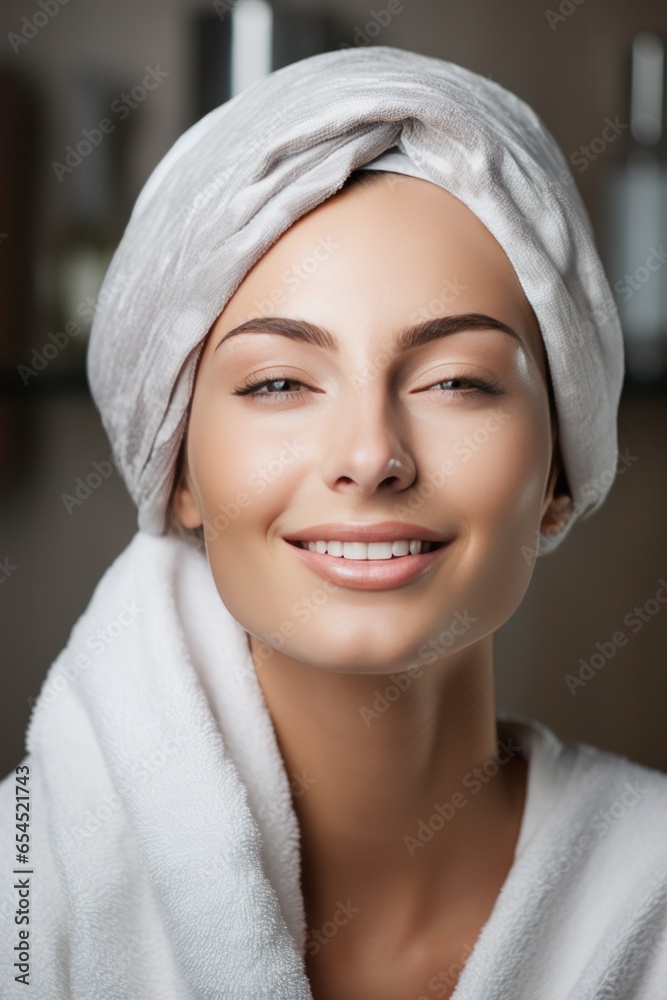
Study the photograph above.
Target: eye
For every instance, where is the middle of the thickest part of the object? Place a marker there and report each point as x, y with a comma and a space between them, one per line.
252, 386
465, 385
456, 385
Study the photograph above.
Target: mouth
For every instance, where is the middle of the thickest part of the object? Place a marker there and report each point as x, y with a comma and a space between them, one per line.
369, 551
361, 566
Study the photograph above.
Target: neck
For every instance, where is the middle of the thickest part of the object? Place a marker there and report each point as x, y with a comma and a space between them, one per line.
396, 793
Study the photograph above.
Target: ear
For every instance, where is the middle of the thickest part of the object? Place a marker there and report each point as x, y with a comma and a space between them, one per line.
557, 506
184, 501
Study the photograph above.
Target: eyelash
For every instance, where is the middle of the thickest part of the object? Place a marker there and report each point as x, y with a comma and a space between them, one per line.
250, 387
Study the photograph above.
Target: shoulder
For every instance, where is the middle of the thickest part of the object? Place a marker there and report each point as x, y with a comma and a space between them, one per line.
607, 869
624, 788
590, 885
612, 815
601, 803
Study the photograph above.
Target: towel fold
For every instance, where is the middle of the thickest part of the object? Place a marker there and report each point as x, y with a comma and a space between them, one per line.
168, 853
164, 851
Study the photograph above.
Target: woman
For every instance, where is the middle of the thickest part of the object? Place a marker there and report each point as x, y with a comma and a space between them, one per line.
268, 763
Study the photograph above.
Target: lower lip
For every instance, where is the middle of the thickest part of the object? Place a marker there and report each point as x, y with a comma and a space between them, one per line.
369, 574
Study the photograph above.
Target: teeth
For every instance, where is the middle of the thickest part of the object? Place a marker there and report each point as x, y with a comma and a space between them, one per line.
369, 550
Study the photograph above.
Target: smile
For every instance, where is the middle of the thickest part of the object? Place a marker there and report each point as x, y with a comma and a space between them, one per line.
370, 550
367, 566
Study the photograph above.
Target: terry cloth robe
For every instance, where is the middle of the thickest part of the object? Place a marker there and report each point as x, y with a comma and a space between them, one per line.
163, 856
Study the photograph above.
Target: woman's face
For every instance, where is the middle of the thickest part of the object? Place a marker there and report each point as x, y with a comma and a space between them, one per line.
347, 425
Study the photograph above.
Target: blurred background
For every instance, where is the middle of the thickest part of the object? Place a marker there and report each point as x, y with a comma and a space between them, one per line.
93, 94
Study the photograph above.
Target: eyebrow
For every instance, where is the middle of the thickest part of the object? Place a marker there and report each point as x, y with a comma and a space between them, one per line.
406, 339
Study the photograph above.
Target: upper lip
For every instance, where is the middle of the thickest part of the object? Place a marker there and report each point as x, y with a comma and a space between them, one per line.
384, 531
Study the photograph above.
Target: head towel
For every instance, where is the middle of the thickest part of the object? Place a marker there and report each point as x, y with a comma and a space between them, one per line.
238, 178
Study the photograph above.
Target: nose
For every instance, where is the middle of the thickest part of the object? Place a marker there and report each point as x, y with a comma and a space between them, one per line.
365, 447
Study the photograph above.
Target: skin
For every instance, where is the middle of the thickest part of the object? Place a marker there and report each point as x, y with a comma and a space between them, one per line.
366, 444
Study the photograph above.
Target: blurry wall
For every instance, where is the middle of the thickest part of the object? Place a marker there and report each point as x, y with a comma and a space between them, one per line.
571, 70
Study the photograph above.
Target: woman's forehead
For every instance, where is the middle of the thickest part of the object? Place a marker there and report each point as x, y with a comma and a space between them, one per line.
379, 255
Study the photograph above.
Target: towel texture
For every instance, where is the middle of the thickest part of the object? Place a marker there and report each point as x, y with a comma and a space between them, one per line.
237, 179
164, 850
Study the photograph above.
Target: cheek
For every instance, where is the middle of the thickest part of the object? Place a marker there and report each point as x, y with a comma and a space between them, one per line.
246, 477
237, 464
493, 464
496, 490
500, 473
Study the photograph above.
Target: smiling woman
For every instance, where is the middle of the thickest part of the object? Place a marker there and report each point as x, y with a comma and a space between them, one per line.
345, 465
368, 444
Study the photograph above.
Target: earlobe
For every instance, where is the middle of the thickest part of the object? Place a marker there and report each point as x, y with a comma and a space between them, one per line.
557, 508
557, 514
185, 505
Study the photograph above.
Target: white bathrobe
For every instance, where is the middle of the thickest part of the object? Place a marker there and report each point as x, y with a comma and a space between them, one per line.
163, 852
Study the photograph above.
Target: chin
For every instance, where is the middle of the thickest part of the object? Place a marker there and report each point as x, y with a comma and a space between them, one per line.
380, 648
